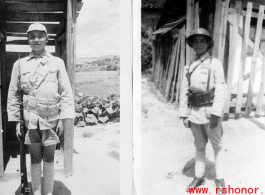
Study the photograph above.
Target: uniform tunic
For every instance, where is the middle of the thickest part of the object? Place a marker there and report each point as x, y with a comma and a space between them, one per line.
198, 82
54, 91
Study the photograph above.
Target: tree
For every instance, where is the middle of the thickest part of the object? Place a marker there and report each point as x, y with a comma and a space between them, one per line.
146, 47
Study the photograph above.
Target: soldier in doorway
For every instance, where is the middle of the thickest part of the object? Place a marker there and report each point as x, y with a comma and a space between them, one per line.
48, 101
202, 102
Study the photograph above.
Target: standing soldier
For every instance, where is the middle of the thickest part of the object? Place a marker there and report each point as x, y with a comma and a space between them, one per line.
47, 100
201, 107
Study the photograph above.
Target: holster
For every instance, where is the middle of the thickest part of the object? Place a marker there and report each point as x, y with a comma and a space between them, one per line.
197, 99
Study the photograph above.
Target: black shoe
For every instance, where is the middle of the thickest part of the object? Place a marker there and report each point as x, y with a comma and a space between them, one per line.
196, 183
220, 183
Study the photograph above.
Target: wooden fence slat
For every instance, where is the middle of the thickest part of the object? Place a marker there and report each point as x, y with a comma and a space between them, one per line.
232, 52
261, 90
223, 29
254, 61
167, 65
171, 70
251, 45
243, 59
216, 31
176, 73
181, 64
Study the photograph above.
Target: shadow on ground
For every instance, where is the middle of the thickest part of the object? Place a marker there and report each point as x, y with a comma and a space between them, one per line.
189, 169
59, 189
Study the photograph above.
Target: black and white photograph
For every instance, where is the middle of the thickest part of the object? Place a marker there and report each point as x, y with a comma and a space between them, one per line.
202, 88
60, 97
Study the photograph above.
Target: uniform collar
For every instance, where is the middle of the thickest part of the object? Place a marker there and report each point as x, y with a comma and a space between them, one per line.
202, 57
43, 57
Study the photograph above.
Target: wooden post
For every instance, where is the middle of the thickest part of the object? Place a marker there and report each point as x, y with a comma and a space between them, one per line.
70, 67
176, 71
197, 16
254, 61
189, 28
261, 90
223, 29
153, 58
216, 31
243, 59
171, 70
181, 64
232, 53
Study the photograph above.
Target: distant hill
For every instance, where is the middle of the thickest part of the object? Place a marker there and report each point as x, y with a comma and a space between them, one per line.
89, 59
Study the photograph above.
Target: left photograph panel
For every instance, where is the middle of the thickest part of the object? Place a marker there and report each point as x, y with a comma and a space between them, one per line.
60, 97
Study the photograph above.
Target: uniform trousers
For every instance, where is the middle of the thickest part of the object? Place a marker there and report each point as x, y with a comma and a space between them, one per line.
202, 133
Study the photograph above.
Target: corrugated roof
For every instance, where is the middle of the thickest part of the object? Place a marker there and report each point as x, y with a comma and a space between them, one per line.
153, 4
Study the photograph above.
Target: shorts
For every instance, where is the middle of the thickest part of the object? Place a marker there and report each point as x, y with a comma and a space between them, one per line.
45, 137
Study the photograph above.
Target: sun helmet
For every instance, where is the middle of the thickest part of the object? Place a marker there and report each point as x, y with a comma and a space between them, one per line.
200, 31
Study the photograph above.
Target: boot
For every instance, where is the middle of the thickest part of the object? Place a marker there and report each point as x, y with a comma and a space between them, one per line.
196, 183
220, 183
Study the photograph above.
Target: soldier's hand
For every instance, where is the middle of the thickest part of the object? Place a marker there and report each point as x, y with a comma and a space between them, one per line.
213, 121
59, 128
18, 130
186, 122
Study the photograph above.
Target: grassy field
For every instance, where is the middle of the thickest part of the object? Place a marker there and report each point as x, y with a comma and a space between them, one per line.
98, 83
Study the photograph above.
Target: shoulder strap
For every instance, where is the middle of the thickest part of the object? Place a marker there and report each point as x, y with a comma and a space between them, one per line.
190, 73
209, 74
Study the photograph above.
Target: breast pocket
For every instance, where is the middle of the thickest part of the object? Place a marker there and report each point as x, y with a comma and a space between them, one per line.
52, 76
25, 75
204, 75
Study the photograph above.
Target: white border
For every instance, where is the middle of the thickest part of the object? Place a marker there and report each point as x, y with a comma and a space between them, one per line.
126, 148
137, 105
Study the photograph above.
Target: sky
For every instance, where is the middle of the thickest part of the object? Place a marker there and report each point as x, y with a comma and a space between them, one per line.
98, 28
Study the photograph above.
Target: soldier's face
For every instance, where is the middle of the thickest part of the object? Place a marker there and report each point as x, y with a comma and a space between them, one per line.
200, 44
37, 41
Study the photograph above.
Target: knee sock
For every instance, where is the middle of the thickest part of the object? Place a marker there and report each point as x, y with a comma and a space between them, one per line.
219, 162
200, 162
35, 171
48, 178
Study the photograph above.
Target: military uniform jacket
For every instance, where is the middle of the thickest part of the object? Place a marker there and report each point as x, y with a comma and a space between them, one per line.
198, 82
47, 93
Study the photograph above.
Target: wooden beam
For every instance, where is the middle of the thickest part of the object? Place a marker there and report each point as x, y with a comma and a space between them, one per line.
256, 3
62, 37
254, 61
30, 17
25, 42
63, 21
216, 31
232, 53
243, 60
25, 35
23, 27
12, 6
197, 16
70, 67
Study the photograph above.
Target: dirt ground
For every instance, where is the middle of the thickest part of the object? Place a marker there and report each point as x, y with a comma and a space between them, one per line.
96, 165
168, 150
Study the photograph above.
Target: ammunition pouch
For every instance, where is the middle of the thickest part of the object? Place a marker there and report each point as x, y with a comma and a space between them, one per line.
44, 107
197, 99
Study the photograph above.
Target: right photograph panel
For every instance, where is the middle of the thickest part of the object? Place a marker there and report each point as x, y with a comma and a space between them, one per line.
203, 78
